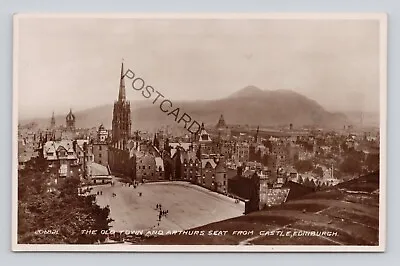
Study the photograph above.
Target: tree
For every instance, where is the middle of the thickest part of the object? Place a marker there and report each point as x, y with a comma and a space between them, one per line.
303, 166
318, 171
63, 210
372, 162
350, 165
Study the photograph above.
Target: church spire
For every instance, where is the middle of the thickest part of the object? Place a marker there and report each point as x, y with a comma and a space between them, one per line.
52, 121
256, 136
121, 94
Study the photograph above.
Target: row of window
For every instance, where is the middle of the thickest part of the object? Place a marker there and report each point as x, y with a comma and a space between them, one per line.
152, 174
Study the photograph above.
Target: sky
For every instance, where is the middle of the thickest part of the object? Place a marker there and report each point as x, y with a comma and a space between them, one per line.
65, 63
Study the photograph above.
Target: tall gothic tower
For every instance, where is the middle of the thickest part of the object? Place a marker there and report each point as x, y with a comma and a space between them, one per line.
121, 123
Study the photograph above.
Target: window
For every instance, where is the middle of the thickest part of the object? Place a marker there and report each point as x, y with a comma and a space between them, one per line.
144, 167
149, 167
99, 148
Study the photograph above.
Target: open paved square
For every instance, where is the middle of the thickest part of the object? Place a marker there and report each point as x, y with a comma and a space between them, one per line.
188, 206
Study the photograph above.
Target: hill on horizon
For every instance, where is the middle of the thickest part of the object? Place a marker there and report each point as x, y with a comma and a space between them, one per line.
248, 106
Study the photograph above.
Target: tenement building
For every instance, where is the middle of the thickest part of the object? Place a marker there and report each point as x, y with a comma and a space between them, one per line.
100, 146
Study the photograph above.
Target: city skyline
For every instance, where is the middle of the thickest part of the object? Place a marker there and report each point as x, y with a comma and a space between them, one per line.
73, 59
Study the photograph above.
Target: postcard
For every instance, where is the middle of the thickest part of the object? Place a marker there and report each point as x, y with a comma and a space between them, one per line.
199, 132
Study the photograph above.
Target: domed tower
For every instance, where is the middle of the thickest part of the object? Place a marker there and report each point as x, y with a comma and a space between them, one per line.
102, 134
221, 123
70, 120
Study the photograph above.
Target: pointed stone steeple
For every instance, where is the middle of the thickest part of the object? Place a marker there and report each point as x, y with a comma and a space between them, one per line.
53, 121
121, 123
256, 136
121, 93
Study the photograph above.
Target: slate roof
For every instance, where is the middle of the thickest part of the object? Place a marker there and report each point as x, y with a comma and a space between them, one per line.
205, 161
99, 170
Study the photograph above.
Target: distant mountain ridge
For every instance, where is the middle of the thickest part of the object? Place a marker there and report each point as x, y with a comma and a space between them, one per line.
250, 105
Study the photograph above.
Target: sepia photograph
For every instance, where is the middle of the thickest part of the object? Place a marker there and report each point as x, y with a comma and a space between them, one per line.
199, 132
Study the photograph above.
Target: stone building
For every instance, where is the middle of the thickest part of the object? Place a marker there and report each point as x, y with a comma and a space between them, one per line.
146, 167
221, 179
242, 152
